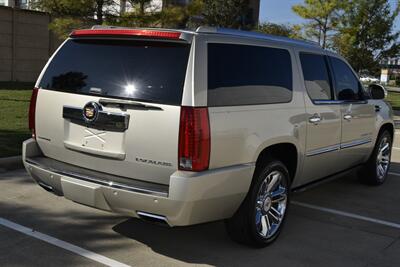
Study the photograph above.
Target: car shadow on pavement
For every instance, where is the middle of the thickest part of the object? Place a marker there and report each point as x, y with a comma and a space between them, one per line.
199, 244
210, 244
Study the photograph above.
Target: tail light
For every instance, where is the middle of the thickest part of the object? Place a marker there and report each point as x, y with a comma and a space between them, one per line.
32, 110
194, 139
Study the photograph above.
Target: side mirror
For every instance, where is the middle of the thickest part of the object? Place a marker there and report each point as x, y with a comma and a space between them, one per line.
377, 91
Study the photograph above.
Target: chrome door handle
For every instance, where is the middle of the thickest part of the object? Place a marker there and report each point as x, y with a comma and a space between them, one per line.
315, 119
347, 117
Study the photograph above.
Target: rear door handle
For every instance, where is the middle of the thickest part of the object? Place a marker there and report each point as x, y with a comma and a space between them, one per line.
347, 117
315, 119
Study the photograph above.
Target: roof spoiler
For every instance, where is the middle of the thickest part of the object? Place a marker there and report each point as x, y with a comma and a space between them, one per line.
126, 32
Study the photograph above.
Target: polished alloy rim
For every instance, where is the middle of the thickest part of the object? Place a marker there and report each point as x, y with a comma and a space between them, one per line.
383, 158
271, 204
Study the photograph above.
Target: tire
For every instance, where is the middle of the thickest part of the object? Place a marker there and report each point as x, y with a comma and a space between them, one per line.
260, 218
375, 170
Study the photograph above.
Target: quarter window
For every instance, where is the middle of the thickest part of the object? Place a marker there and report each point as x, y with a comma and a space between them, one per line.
316, 76
248, 75
346, 83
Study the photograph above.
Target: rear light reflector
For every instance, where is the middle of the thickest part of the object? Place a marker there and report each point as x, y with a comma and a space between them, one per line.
32, 111
194, 139
127, 32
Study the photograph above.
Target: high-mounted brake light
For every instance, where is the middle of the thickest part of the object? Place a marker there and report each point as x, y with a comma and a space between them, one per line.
194, 139
32, 111
127, 32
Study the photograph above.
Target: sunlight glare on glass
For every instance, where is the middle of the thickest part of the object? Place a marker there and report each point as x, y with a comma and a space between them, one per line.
130, 89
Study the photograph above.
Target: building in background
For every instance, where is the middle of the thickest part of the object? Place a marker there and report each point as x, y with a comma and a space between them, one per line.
24, 4
254, 9
390, 71
26, 43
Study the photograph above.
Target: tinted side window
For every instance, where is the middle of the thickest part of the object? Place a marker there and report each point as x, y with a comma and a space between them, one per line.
316, 76
346, 83
248, 75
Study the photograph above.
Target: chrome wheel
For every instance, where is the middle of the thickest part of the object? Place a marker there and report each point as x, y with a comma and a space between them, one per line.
383, 158
271, 204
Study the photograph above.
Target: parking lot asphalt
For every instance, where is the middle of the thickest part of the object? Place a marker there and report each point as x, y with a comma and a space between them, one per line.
339, 223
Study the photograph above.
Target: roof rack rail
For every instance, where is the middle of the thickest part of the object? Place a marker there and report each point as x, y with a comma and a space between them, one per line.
257, 35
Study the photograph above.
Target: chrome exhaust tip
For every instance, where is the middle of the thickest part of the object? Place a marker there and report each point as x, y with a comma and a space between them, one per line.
153, 218
46, 187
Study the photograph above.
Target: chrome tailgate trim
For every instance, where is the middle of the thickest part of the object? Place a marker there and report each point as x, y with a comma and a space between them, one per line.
108, 180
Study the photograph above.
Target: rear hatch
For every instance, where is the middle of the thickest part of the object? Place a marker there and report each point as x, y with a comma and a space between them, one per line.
112, 104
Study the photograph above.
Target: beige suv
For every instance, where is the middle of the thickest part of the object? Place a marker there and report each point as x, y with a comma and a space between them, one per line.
181, 127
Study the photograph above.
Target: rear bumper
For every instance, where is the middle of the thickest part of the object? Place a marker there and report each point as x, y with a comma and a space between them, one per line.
190, 198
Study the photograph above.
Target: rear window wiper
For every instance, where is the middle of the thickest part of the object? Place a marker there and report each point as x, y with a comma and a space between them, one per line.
127, 104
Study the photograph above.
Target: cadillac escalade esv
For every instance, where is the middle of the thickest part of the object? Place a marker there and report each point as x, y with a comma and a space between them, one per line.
186, 127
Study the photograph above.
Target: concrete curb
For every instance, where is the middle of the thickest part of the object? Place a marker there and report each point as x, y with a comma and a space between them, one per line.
11, 163
393, 89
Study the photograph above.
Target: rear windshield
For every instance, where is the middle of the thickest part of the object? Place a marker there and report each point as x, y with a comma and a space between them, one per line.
139, 70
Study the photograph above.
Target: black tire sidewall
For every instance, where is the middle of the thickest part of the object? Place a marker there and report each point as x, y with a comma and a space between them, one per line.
376, 151
369, 174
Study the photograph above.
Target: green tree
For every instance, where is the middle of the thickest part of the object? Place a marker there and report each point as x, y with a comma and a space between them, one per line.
141, 4
323, 17
72, 14
366, 33
226, 13
291, 31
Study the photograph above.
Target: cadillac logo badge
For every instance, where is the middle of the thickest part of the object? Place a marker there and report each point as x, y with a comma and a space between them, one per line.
91, 111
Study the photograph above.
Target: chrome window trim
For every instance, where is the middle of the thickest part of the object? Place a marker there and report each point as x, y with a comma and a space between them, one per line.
339, 102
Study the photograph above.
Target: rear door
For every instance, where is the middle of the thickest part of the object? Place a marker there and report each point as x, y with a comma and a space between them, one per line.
113, 105
323, 118
357, 116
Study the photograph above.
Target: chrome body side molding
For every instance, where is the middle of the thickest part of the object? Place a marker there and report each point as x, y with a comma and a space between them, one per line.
337, 147
356, 143
322, 150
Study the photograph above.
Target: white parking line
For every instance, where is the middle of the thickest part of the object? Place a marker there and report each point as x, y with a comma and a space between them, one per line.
61, 244
396, 148
394, 173
347, 214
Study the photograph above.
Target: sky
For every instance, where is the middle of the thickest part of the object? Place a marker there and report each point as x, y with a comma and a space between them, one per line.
280, 11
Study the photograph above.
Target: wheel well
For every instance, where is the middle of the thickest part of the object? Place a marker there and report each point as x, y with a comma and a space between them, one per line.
389, 127
285, 152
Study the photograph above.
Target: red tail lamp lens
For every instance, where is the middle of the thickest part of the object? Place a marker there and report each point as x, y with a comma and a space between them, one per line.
194, 139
